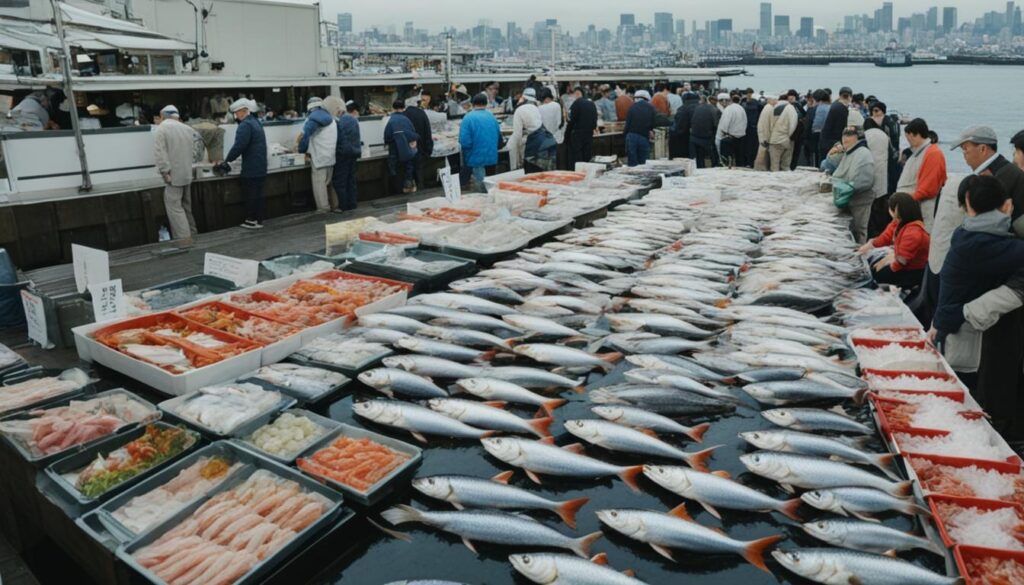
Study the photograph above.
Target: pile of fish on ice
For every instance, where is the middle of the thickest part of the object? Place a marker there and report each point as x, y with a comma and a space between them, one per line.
709, 307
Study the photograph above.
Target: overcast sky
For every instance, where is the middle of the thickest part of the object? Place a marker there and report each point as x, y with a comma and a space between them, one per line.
575, 15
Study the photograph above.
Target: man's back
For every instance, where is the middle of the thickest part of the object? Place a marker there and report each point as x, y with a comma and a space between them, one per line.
704, 122
421, 125
583, 116
622, 105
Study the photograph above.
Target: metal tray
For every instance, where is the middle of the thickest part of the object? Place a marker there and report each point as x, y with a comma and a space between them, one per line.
300, 259
301, 398
105, 512
335, 514
350, 372
170, 407
213, 285
422, 282
323, 422
84, 457
46, 459
38, 372
385, 486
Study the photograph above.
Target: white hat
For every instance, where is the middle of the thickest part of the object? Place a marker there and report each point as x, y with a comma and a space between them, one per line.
642, 95
314, 103
530, 94
723, 96
169, 112
771, 96
240, 104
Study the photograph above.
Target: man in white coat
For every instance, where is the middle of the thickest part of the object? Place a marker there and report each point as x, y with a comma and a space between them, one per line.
780, 143
174, 152
765, 126
731, 130
320, 140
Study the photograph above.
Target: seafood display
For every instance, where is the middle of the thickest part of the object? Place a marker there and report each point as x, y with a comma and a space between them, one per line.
146, 510
303, 382
969, 481
399, 259
225, 407
357, 463
998, 528
344, 350
36, 390
8, 357
161, 299
288, 435
225, 318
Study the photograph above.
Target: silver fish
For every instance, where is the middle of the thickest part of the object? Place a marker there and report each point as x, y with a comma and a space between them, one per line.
493, 527
501, 390
772, 375
389, 381
815, 419
616, 437
715, 490
418, 312
462, 301
432, 367
539, 325
816, 473
533, 377
657, 323
662, 400
453, 318
470, 492
417, 420
811, 444
790, 392
553, 569
564, 356
489, 416
544, 458
466, 337
644, 342
680, 364
441, 349
373, 335
833, 566
868, 537
672, 379
388, 321
643, 419
862, 502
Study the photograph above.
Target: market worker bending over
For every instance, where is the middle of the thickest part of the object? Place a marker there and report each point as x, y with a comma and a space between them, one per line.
318, 141
174, 152
251, 145
904, 264
479, 137
347, 151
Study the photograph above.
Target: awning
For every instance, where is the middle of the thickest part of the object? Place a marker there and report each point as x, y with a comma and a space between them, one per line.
134, 43
9, 42
80, 17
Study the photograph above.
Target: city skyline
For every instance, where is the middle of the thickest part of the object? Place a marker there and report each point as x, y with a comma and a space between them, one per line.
744, 14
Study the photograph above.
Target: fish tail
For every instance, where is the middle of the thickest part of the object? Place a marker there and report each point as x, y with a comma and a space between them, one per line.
567, 511
860, 395
932, 546
697, 433
392, 533
698, 460
629, 476
903, 488
754, 550
886, 462
581, 546
722, 303
487, 356
789, 508
541, 426
550, 405
611, 357
919, 511
401, 514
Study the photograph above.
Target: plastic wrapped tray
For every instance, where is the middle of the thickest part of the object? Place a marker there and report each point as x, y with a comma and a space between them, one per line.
328, 426
292, 261
56, 470
32, 373
258, 571
210, 285
39, 459
422, 282
299, 396
173, 405
388, 483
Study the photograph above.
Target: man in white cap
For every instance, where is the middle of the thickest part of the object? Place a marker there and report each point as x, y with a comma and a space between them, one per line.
318, 140
525, 121
251, 146
174, 152
639, 128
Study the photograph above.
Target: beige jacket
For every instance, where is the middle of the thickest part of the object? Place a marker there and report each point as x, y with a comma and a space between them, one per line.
765, 124
785, 125
173, 151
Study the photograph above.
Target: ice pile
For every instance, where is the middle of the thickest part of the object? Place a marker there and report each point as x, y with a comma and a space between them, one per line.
895, 357
908, 382
985, 528
977, 441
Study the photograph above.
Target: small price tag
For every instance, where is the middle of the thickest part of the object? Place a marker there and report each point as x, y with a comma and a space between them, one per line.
241, 272
452, 188
108, 301
91, 266
35, 318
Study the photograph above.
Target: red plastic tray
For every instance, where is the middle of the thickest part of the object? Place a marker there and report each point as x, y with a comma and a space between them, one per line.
963, 552
240, 313
876, 343
981, 504
340, 275
951, 394
882, 403
1010, 466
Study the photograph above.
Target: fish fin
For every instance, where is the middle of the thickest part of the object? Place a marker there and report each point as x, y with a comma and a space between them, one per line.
392, 533
496, 403
533, 477
486, 356
789, 508
886, 463
755, 549
629, 476
503, 477
903, 488
681, 513
386, 392
548, 440
722, 303
697, 460
629, 573
419, 437
722, 474
891, 553
458, 506
663, 552
730, 380
789, 489
576, 448
697, 433
934, 547
611, 357
647, 432
838, 409
860, 395
865, 517
581, 546
486, 434
579, 389
469, 545
550, 405
512, 341
600, 559
541, 426
567, 511
710, 509
921, 511
401, 514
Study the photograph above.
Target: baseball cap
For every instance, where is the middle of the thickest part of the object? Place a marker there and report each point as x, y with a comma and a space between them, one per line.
642, 95
845, 91
977, 135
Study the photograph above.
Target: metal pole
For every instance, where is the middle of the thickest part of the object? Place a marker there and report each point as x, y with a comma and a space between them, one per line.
69, 94
448, 62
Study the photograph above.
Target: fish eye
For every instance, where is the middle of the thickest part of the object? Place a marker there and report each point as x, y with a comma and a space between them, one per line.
526, 560
821, 525
613, 514
430, 481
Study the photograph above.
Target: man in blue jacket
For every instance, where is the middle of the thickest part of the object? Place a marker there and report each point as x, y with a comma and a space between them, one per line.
349, 149
251, 145
319, 140
638, 129
401, 137
479, 137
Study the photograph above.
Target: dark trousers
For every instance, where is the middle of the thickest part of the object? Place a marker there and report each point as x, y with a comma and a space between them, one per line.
344, 183
879, 218
407, 170
255, 201
811, 149
730, 151
703, 149
638, 148
798, 145
750, 147
924, 304
581, 148
1000, 382
905, 279
678, 145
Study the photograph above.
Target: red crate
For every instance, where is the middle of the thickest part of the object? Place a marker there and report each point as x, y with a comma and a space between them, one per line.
957, 395
963, 553
240, 314
981, 504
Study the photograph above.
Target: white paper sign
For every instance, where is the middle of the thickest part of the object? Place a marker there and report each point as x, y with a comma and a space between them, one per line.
91, 266
35, 318
241, 272
108, 300
452, 188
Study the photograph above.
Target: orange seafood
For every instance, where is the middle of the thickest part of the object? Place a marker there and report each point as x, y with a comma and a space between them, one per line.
388, 238
357, 463
994, 570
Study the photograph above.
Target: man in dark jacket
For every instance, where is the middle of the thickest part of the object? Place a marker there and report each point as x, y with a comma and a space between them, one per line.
350, 148
251, 145
798, 137
891, 126
702, 134
638, 128
682, 123
425, 143
580, 128
401, 138
837, 120
752, 106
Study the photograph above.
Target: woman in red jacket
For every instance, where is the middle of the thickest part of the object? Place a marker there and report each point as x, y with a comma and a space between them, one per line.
904, 265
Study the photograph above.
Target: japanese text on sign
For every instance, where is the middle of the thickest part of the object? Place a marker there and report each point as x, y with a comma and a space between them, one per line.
452, 188
35, 318
108, 300
241, 272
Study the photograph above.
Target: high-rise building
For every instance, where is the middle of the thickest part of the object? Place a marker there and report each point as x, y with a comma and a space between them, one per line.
1016, 26
885, 24
510, 36
1009, 15
766, 20
627, 20
409, 32
918, 21
781, 26
680, 28
932, 19
663, 27
345, 23
949, 23
807, 27
849, 23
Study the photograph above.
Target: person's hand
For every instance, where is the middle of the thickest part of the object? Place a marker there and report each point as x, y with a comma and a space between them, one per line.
867, 247
888, 260
932, 334
167, 177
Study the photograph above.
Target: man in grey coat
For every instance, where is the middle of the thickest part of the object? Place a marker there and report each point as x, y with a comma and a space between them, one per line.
857, 167
174, 152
